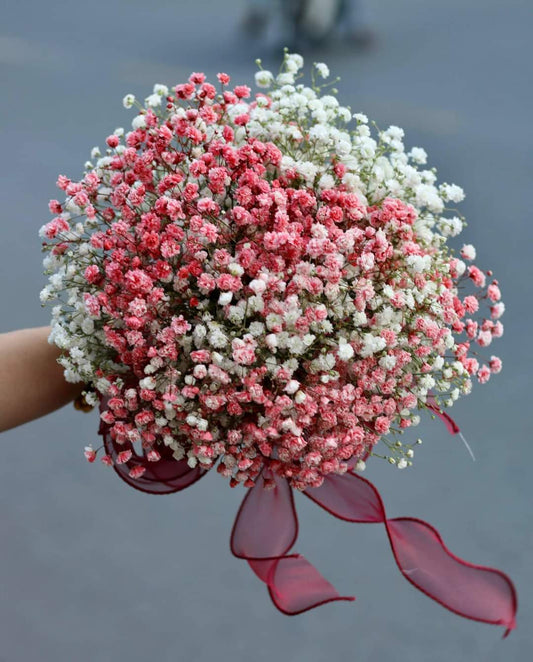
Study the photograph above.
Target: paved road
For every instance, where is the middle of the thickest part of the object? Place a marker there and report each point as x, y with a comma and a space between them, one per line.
92, 571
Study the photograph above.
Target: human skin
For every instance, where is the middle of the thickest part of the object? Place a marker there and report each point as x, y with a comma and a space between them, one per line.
31, 381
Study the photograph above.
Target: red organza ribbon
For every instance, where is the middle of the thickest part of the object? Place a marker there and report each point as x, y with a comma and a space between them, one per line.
448, 421
266, 528
163, 477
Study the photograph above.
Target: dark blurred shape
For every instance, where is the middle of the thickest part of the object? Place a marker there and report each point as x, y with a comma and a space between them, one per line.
254, 22
310, 23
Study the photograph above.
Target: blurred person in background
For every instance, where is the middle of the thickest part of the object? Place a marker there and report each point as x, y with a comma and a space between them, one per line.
311, 23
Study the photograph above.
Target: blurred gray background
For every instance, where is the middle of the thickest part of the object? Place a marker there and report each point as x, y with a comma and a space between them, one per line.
93, 571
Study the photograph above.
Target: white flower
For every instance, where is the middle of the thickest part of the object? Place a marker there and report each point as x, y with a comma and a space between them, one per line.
438, 363
257, 329
264, 78
345, 350
102, 384
393, 133
427, 196
217, 339
148, 383
235, 269
295, 59
162, 90
402, 463
326, 181
273, 319
285, 79
468, 252
139, 122
372, 344
128, 100
296, 345
460, 267
46, 294
271, 340
91, 398
255, 304
419, 263
153, 100
87, 326
344, 114
359, 318
292, 386
224, 298
418, 155
308, 170
300, 397
322, 69
452, 192
387, 362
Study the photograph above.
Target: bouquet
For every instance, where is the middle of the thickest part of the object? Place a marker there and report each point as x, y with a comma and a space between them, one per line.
263, 285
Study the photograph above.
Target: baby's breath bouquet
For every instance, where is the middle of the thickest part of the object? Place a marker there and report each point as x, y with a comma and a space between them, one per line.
263, 284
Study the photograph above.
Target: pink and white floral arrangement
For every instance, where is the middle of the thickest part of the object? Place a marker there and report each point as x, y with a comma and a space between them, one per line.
263, 284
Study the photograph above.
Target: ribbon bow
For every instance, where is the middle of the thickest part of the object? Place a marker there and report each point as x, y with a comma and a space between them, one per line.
266, 529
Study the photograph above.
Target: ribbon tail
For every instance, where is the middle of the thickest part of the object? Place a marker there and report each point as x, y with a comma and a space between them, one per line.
473, 591
448, 421
295, 586
265, 529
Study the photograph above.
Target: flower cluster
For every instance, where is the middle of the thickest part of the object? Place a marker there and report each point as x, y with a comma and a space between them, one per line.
259, 281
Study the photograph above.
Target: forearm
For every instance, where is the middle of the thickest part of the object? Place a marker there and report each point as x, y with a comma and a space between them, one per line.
31, 381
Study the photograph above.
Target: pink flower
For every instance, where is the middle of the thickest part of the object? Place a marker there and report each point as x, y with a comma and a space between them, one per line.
179, 325
123, 457
493, 292
484, 338
197, 78
137, 472
138, 281
243, 351
242, 91
200, 356
477, 276
497, 310
495, 364
483, 374
113, 141
471, 304
227, 282
55, 207
90, 454
144, 417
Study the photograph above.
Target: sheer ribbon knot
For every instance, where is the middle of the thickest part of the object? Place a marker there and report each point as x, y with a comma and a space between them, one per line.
266, 529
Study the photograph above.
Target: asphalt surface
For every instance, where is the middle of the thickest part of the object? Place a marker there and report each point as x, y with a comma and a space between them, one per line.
92, 571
